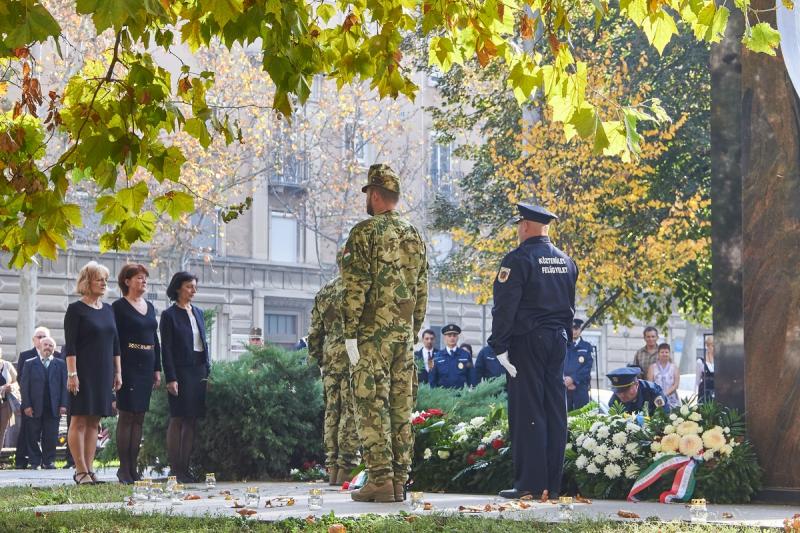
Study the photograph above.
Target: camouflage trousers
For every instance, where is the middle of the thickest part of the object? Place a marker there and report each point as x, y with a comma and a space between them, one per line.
383, 381
340, 437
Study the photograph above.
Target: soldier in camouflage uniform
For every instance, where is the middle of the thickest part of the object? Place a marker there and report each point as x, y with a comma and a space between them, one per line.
326, 348
385, 274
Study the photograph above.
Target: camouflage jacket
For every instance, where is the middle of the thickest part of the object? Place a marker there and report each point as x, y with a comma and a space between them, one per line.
325, 340
385, 274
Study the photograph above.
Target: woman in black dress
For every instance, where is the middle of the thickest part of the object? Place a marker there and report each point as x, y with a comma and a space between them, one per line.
141, 365
186, 367
93, 366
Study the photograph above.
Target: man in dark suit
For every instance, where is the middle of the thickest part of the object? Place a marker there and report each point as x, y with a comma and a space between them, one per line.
44, 401
423, 357
22, 443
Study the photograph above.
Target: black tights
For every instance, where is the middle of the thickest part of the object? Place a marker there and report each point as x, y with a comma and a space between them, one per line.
180, 437
129, 438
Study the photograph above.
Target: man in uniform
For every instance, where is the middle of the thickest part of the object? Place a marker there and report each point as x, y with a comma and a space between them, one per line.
423, 357
634, 393
452, 366
326, 349
487, 366
385, 275
578, 368
534, 304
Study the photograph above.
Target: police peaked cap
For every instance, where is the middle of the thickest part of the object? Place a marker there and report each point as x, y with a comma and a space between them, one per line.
623, 377
451, 328
536, 213
577, 322
382, 175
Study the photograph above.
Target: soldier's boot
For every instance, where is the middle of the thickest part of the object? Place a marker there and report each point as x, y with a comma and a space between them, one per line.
373, 492
333, 475
343, 475
399, 491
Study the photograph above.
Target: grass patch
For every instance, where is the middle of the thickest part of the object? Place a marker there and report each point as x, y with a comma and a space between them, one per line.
123, 521
12, 498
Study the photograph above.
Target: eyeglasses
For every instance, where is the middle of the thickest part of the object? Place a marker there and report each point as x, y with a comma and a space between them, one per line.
40, 336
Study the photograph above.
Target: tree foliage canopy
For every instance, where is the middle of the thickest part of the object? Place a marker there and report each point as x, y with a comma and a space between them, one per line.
116, 115
639, 231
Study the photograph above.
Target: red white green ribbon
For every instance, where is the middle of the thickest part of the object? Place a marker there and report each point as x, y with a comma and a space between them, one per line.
682, 486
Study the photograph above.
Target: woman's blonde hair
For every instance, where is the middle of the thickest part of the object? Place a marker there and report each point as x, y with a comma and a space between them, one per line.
90, 271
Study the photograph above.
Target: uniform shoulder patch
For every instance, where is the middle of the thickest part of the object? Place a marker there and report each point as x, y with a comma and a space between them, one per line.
503, 275
659, 401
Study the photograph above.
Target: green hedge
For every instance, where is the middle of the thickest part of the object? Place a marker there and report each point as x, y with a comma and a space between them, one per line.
463, 404
264, 415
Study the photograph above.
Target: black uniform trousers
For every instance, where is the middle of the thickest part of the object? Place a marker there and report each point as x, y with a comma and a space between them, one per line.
537, 412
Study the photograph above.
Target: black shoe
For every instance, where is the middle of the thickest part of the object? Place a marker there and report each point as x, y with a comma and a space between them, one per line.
21, 466
514, 494
49, 467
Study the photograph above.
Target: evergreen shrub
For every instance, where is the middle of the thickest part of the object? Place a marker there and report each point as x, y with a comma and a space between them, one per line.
264, 415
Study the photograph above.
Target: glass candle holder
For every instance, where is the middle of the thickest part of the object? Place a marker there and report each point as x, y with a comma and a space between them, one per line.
565, 507
156, 492
171, 482
415, 499
139, 491
315, 499
698, 512
252, 497
177, 494
211, 480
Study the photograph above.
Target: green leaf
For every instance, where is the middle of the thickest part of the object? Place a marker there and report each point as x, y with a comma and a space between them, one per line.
197, 129
132, 198
632, 137
37, 26
762, 38
326, 12
175, 204
659, 28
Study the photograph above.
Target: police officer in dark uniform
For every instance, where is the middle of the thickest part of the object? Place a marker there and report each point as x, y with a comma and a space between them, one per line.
487, 366
452, 366
534, 304
578, 369
634, 393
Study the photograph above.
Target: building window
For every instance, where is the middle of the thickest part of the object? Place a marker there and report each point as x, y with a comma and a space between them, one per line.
439, 168
354, 142
207, 224
281, 328
283, 237
316, 88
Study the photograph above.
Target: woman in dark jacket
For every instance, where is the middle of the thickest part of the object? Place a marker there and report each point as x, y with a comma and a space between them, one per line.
186, 364
141, 365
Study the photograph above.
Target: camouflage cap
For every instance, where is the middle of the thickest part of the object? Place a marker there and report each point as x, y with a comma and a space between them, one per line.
381, 175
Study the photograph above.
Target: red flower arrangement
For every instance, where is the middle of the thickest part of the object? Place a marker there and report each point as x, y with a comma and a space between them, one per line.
425, 415
498, 443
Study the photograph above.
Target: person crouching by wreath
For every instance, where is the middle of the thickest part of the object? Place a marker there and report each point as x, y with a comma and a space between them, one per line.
141, 365
186, 363
634, 393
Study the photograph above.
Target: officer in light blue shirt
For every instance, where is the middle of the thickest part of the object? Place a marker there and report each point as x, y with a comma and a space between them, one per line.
452, 366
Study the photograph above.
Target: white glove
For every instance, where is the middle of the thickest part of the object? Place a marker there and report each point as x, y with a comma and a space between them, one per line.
503, 358
352, 350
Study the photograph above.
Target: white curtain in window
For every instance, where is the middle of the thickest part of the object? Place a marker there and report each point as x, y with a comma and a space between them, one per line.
283, 238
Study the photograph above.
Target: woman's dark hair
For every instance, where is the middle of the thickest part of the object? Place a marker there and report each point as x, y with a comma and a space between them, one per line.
177, 282
664, 346
467, 347
128, 271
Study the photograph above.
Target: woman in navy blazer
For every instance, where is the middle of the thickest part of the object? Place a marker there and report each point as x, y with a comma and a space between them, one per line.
186, 364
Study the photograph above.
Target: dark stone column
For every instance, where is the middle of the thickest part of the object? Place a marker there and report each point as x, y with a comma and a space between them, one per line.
726, 216
756, 119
